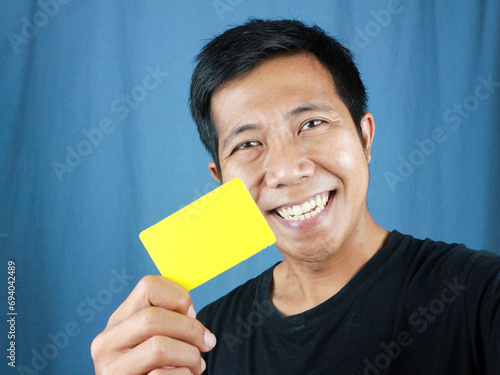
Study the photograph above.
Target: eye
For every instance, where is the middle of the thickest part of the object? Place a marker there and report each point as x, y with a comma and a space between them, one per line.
311, 124
246, 145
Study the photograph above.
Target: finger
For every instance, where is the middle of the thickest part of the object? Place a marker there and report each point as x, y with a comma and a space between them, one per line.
155, 321
174, 371
156, 352
154, 290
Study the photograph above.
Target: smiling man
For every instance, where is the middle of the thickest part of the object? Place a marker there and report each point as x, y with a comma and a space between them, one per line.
288, 135
281, 105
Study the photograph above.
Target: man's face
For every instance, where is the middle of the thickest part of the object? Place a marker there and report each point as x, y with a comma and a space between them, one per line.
286, 133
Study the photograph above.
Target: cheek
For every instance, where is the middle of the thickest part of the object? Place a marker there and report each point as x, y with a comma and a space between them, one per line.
250, 174
353, 165
346, 159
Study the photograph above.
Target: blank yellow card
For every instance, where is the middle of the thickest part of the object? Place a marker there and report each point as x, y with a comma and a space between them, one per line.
208, 236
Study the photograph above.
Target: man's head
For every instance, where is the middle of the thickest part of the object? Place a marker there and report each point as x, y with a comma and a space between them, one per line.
239, 50
281, 106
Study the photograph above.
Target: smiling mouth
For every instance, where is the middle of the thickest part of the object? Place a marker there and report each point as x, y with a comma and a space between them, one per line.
306, 210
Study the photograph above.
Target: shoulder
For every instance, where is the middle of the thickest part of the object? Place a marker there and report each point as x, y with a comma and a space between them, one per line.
483, 281
431, 268
440, 258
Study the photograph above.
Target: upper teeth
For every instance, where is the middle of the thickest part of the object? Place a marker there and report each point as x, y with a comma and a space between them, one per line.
305, 210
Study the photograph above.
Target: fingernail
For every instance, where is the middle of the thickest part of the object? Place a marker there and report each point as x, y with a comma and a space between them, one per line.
203, 365
191, 312
210, 339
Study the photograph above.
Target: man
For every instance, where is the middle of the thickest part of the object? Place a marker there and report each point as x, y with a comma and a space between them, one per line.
281, 105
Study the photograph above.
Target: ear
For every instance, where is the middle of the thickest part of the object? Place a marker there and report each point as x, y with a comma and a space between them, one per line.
213, 169
368, 131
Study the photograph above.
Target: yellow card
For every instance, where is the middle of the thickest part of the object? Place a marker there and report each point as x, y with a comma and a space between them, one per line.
208, 236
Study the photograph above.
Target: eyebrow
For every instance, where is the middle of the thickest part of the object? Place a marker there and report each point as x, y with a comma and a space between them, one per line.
307, 107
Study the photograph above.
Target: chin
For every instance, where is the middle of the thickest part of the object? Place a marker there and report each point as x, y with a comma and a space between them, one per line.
309, 252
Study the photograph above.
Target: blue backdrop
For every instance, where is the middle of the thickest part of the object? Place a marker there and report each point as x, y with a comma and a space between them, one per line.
97, 143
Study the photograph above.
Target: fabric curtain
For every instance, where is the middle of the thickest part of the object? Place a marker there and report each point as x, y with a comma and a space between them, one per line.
97, 142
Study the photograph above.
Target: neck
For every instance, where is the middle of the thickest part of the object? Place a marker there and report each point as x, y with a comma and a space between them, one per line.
299, 285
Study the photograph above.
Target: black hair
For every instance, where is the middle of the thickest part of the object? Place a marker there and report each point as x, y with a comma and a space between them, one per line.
240, 49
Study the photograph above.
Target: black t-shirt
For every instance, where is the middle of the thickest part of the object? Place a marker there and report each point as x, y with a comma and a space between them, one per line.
417, 307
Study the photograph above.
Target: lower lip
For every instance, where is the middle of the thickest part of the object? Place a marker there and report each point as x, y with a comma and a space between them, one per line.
307, 223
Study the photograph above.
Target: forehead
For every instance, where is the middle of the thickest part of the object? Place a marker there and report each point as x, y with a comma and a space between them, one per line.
274, 85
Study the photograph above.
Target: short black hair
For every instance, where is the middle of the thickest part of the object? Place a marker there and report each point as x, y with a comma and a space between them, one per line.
240, 49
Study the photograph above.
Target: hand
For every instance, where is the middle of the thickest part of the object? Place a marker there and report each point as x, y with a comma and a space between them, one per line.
153, 332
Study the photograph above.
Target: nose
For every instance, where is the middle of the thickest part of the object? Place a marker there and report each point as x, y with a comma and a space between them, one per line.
287, 166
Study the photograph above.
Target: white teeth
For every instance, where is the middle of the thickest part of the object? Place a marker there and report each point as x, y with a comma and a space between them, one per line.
312, 203
318, 201
304, 211
297, 210
306, 207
